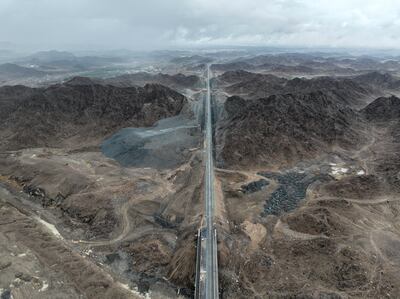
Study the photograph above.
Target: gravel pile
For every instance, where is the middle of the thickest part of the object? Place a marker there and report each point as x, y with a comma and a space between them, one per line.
254, 186
291, 190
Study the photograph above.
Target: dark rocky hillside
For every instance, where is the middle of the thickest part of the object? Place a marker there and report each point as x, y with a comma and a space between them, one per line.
379, 80
283, 129
296, 63
231, 66
252, 85
233, 77
383, 109
177, 81
72, 112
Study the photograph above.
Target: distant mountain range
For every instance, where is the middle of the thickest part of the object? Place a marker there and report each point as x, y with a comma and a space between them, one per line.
308, 64
11, 71
352, 90
177, 81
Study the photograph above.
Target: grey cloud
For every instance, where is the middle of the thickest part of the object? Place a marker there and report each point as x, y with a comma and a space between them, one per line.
155, 24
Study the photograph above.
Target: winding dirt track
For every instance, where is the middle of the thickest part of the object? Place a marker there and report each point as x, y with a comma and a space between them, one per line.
375, 201
364, 152
51, 248
127, 231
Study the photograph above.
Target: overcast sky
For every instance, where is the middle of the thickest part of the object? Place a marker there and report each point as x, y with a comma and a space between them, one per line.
164, 24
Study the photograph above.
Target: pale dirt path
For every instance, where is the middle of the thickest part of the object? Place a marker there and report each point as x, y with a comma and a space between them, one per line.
375, 247
359, 155
249, 175
375, 201
366, 153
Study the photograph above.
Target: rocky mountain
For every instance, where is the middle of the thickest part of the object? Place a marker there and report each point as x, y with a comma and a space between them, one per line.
289, 64
379, 80
283, 129
76, 114
233, 77
66, 61
78, 80
231, 66
383, 109
280, 59
288, 69
50, 56
254, 85
189, 60
364, 63
10, 71
345, 90
177, 81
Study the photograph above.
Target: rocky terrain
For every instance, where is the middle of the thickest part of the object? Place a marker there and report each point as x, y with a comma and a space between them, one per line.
313, 64
45, 68
354, 91
107, 212
101, 179
383, 109
51, 61
83, 113
284, 129
324, 221
176, 81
